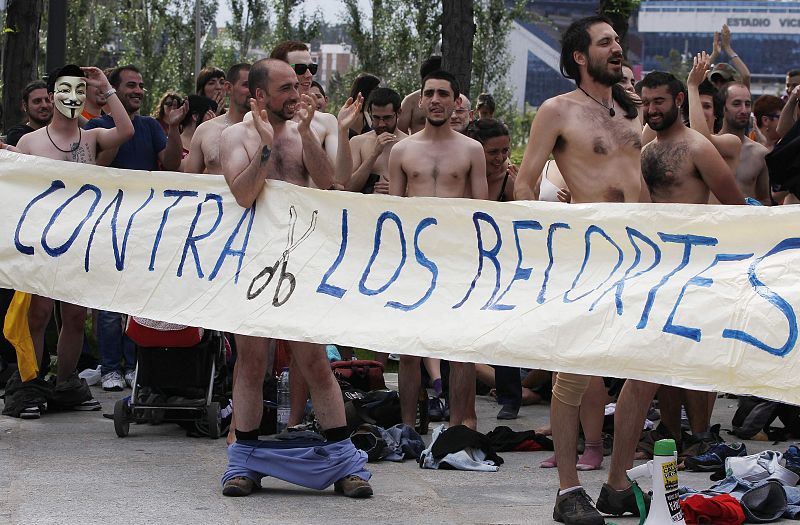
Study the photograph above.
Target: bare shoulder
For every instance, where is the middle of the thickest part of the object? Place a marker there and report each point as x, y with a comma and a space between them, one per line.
327, 120
238, 133
359, 140
754, 148
411, 98
471, 144
210, 125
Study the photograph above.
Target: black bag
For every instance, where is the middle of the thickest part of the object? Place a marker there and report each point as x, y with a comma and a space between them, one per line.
783, 162
379, 407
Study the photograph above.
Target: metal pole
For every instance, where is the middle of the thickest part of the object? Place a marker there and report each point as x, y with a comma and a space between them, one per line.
197, 36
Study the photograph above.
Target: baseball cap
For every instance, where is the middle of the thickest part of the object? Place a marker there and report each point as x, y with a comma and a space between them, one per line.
724, 72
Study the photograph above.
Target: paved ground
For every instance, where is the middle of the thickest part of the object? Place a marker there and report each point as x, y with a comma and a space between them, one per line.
72, 468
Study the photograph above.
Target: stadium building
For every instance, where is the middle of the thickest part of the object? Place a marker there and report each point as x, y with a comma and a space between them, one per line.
766, 36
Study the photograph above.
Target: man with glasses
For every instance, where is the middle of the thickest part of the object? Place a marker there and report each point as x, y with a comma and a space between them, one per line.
462, 115
325, 125
371, 150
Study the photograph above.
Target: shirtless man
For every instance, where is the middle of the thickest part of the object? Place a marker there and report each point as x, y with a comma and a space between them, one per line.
751, 174
438, 162
273, 146
412, 118
595, 136
371, 150
63, 139
204, 151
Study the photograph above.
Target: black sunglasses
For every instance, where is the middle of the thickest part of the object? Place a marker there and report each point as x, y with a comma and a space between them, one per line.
300, 69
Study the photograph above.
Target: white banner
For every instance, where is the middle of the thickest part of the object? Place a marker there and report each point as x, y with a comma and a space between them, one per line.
679, 17
697, 296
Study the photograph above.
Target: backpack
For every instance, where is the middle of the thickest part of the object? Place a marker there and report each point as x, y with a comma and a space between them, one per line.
378, 407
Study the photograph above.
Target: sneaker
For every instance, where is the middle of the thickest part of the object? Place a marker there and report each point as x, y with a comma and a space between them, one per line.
238, 486
87, 405
353, 486
435, 409
792, 457
714, 458
618, 502
113, 382
33, 412
576, 508
508, 412
130, 377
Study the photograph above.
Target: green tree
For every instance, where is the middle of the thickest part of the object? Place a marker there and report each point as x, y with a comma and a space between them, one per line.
89, 30
305, 29
249, 21
619, 12
400, 35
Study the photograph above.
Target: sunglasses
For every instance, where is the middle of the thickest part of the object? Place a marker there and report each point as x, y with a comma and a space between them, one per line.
301, 69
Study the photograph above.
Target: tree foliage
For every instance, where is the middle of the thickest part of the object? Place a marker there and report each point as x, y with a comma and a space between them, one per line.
393, 42
89, 32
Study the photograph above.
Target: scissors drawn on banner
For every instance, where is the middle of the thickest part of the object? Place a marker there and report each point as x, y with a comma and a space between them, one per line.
270, 271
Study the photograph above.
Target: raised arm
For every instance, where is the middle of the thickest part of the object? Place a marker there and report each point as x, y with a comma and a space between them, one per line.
736, 62
788, 113
170, 156
727, 145
122, 131
344, 156
246, 176
541, 141
315, 160
716, 173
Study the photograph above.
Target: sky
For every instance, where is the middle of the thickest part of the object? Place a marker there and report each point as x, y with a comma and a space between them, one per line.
331, 9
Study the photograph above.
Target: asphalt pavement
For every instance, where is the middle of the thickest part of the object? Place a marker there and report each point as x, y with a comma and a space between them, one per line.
71, 468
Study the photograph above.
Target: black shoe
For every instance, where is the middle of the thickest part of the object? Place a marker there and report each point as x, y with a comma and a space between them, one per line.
435, 409
576, 508
619, 502
508, 412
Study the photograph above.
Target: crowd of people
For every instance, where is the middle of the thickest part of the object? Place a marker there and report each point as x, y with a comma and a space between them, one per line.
659, 139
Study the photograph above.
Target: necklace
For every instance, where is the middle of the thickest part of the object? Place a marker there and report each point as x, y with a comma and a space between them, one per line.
611, 111
72, 149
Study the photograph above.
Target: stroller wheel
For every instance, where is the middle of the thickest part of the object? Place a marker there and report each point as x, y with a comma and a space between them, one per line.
122, 422
212, 420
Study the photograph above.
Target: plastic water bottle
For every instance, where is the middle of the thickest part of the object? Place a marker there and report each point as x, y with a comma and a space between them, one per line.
283, 401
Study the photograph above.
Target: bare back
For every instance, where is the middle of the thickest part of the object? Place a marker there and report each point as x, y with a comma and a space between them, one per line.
598, 155
210, 138
412, 117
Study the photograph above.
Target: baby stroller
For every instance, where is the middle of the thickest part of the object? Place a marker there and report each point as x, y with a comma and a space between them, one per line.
181, 377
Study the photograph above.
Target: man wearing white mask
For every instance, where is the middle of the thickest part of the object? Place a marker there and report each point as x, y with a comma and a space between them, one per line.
63, 139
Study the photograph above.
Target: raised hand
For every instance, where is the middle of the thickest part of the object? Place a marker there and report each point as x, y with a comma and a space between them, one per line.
717, 49
726, 39
96, 78
700, 65
262, 124
350, 112
219, 98
305, 110
175, 116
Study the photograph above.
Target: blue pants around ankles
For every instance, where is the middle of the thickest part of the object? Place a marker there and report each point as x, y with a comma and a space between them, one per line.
313, 465
117, 351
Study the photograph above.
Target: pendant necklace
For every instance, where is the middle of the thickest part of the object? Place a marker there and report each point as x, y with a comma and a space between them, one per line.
611, 111
72, 149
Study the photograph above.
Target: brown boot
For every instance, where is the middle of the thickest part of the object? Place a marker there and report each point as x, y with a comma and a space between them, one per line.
353, 486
